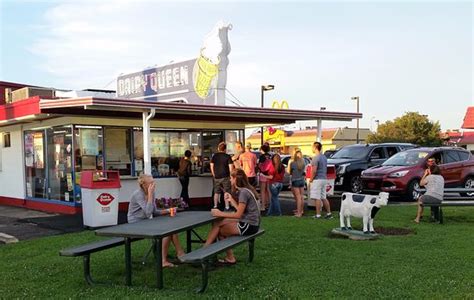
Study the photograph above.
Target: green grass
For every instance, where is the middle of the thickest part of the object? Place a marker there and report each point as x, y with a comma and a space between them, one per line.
295, 258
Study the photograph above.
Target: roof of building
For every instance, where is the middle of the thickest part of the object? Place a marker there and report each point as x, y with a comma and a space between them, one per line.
33, 108
468, 122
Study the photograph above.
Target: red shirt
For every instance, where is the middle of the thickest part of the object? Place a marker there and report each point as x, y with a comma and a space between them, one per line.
277, 176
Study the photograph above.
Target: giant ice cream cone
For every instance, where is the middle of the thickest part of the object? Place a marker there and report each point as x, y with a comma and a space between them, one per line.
205, 76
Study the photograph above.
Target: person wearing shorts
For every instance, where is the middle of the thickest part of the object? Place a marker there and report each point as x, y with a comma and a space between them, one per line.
319, 181
221, 166
244, 221
296, 170
434, 183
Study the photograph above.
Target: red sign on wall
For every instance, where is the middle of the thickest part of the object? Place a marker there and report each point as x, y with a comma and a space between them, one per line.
105, 199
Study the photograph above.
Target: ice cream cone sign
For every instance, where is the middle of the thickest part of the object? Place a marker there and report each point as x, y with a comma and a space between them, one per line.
210, 70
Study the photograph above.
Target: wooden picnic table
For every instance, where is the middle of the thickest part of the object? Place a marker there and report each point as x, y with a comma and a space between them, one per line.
157, 229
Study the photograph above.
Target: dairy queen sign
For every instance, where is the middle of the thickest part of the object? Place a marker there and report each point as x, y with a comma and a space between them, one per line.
105, 199
201, 80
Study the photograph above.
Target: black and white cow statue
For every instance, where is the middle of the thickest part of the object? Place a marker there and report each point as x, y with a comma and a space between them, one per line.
361, 206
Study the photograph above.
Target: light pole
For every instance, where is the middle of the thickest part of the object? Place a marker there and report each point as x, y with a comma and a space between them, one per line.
377, 122
264, 88
357, 99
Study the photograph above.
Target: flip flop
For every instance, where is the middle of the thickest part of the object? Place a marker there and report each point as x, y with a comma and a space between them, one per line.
169, 265
225, 262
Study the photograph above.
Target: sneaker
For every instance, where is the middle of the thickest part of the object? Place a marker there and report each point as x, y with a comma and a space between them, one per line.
328, 216
316, 217
227, 209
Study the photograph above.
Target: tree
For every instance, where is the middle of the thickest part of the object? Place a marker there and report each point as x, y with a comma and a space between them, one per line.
409, 128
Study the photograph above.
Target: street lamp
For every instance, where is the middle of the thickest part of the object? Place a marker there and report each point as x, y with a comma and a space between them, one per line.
357, 99
377, 122
264, 88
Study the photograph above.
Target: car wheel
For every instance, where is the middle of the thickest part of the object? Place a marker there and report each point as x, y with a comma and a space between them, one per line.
468, 184
356, 184
412, 193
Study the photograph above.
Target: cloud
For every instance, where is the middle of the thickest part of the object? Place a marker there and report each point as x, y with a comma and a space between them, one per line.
88, 44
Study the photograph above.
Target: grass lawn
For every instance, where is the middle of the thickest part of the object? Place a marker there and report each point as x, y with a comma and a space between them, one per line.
295, 258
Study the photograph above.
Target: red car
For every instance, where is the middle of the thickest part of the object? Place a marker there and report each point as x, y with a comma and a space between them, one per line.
401, 174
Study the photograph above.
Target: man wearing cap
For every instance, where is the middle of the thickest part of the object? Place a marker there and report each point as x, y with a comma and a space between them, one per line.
248, 163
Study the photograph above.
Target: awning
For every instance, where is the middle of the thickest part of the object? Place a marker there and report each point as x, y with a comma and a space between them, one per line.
125, 108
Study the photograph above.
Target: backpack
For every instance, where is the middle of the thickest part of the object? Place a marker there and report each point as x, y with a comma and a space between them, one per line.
265, 166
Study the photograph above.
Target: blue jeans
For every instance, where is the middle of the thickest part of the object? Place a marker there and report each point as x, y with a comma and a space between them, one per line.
275, 189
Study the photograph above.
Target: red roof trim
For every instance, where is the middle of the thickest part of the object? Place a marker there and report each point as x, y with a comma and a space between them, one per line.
20, 108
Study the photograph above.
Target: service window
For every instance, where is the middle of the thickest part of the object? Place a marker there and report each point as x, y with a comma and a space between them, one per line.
378, 153
118, 150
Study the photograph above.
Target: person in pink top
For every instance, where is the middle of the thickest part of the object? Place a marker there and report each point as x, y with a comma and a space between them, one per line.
248, 163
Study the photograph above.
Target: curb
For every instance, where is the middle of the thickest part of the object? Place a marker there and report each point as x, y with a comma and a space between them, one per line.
7, 239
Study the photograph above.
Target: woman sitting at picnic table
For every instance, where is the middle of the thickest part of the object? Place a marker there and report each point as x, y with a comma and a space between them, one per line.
434, 183
143, 206
244, 221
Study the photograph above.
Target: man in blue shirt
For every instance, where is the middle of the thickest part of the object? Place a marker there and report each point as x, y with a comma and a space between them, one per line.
318, 181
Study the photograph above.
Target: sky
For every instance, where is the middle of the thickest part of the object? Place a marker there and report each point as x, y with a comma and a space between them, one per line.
396, 56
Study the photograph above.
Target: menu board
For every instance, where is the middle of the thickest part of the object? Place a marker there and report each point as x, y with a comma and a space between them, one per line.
179, 142
90, 141
38, 149
159, 144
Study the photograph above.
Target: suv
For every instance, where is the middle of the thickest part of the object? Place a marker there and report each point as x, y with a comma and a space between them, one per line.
401, 173
351, 160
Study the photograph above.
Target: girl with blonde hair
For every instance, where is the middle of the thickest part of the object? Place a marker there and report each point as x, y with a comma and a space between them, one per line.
296, 167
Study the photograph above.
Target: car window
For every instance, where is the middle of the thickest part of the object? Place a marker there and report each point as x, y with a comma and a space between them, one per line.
377, 153
391, 151
439, 158
406, 158
451, 156
463, 155
354, 152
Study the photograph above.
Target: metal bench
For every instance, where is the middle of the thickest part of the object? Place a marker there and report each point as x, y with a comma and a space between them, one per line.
436, 209
86, 250
205, 255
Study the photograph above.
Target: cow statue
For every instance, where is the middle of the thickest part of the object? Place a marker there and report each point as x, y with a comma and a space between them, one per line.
362, 206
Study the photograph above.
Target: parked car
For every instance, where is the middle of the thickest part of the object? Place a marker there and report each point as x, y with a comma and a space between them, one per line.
401, 173
351, 160
330, 153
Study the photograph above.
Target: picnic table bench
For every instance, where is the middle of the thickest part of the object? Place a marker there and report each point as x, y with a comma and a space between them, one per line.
449, 200
87, 249
157, 229
206, 255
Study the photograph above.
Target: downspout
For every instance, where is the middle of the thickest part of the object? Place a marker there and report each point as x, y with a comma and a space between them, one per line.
146, 140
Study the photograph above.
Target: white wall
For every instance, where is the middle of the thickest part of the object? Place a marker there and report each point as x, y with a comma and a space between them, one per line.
12, 179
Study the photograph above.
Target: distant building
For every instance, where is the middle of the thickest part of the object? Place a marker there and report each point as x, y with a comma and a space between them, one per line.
285, 141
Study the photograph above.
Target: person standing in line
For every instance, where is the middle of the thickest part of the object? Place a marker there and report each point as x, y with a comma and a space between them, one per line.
296, 168
238, 151
264, 165
143, 206
275, 175
184, 172
434, 183
248, 162
221, 167
319, 180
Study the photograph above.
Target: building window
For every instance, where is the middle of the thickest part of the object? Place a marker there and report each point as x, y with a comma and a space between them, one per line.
7, 140
118, 150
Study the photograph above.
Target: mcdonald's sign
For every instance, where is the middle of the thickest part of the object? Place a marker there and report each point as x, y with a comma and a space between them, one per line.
280, 105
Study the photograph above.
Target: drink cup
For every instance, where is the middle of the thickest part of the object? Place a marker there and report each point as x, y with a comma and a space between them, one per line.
173, 211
